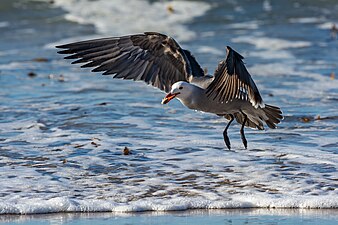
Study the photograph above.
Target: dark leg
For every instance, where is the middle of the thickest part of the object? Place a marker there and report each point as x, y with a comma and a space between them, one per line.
225, 135
242, 131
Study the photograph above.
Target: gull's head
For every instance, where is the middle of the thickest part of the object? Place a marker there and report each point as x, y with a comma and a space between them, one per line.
179, 89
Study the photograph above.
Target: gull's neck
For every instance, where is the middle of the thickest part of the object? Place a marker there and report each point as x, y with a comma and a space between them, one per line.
194, 99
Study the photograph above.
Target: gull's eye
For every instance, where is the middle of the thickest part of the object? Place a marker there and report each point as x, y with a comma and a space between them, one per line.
180, 88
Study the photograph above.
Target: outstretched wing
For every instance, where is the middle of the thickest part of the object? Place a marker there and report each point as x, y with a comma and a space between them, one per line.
233, 81
152, 57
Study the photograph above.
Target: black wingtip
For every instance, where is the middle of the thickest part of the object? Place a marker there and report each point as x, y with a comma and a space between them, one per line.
71, 57
231, 52
62, 46
233, 59
67, 51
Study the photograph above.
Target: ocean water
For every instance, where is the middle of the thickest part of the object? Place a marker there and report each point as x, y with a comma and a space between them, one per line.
63, 129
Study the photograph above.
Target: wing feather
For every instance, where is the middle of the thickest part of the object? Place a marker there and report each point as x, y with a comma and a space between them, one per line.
152, 57
233, 81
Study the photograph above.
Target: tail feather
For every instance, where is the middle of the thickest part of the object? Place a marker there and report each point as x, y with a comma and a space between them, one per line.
271, 115
274, 115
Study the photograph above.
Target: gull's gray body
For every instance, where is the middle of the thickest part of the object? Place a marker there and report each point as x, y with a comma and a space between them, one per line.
198, 100
158, 60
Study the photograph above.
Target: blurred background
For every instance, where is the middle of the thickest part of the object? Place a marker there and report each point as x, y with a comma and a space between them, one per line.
60, 124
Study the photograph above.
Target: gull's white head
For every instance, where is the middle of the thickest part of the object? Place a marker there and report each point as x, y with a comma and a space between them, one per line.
180, 89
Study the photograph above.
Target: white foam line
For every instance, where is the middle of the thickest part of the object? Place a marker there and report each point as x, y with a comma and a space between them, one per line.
64, 204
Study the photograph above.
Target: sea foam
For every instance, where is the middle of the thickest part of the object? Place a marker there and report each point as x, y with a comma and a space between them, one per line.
271, 43
121, 17
63, 204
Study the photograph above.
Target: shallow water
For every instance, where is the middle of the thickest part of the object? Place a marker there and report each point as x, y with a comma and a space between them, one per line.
227, 217
63, 129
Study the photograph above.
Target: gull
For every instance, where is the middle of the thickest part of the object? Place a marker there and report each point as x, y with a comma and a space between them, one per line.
158, 60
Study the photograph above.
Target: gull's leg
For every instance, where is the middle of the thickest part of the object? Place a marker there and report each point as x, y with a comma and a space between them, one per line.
242, 131
225, 135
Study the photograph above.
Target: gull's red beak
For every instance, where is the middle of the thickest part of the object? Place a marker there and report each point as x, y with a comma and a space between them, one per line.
168, 98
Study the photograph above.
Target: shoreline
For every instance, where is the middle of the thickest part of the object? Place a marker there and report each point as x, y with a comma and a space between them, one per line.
198, 216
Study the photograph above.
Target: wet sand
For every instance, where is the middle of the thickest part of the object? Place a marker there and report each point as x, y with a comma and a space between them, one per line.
196, 217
